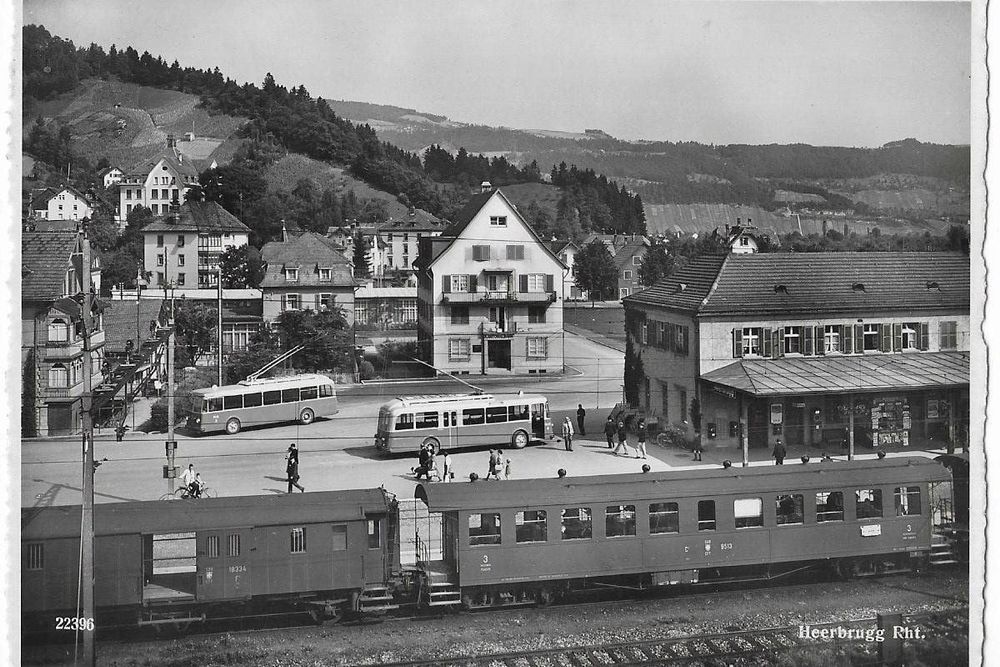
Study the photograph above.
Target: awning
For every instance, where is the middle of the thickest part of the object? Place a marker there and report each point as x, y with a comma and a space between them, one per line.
844, 374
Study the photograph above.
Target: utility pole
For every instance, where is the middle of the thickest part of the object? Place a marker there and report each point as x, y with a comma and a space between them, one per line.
220, 325
87, 520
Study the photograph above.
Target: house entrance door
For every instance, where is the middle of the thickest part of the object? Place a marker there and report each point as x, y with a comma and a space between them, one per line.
498, 354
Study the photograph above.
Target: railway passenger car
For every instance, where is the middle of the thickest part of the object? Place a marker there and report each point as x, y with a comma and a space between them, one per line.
179, 562
529, 541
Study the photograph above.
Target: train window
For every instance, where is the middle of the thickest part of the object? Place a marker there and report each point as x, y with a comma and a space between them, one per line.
788, 508
214, 404
868, 503
706, 515
298, 541
619, 520
325, 390
427, 419
404, 422
233, 545
518, 413
529, 526
308, 393
829, 506
907, 500
484, 528
233, 402
35, 556
272, 397
496, 415
374, 533
663, 518
339, 537
251, 400
290, 395
472, 416
212, 546
748, 512
577, 523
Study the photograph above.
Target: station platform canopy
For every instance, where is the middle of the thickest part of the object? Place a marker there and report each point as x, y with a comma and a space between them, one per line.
844, 374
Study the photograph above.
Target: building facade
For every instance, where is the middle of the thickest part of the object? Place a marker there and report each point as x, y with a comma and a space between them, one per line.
826, 350
627, 252
488, 294
64, 203
52, 341
400, 240
160, 185
306, 272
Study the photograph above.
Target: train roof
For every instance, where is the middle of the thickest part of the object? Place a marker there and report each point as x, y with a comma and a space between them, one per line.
264, 383
178, 516
677, 483
431, 399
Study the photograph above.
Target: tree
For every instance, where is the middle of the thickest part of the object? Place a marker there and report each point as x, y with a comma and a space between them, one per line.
657, 263
360, 257
102, 232
241, 267
262, 348
596, 272
324, 334
195, 326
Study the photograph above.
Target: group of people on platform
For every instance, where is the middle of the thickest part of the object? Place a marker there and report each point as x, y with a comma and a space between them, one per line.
611, 430
428, 460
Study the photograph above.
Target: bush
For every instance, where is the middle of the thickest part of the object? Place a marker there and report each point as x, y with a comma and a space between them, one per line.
677, 435
185, 401
366, 370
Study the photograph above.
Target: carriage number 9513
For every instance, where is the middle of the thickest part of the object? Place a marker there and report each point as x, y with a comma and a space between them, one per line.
74, 623
725, 546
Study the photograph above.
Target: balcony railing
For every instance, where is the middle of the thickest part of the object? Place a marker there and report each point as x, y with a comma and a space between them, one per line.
486, 296
498, 329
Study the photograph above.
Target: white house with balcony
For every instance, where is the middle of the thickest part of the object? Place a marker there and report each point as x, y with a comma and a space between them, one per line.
489, 297
160, 185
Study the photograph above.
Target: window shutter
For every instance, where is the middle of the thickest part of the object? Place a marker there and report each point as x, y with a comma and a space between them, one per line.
687, 339
526, 348
284, 303
737, 343
807, 340
522, 283
846, 339
319, 303
820, 345
885, 338
445, 284
765, 342
473, 283
923, 337
550, 282
859, 338
777, 348
897, 337
668, 331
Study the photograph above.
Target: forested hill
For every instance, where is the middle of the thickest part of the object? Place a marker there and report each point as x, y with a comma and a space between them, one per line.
298, 122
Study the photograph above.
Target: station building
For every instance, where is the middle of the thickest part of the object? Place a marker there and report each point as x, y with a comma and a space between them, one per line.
819, 349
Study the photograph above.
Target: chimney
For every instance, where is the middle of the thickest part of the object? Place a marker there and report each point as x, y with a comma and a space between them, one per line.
485, 186
413, 212
284, 231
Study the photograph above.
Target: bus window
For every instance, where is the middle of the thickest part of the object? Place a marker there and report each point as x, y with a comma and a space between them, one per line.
404, 422
326, 390
308, 393
214, 404
290, 395
518, 413
233, 402
251, 400
496, 415
427, 420
272, 397
472, 416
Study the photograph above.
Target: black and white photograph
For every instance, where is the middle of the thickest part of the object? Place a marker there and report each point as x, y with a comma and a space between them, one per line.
514, 332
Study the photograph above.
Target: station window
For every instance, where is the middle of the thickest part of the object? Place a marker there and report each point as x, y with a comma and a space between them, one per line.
868, 503
35, 556
788, 508
298, 541
233, 545
484, 528
404, 422
427, 419
829, 506
529, 526
663, 518
212, 546
577, 523
706, 515
374, 533
619, 520
339, 541
748, 512
907, 500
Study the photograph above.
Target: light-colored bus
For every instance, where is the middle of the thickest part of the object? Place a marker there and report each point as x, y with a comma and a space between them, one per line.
234, 407
457, 420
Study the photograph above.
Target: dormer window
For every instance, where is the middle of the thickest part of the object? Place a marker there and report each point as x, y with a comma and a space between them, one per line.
292, 275
933, 285
780, 289
858, 287
324, 275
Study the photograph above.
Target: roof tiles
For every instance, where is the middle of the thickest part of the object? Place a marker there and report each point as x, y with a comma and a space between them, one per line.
45, 258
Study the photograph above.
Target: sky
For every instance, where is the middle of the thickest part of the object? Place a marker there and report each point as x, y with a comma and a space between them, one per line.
824, 73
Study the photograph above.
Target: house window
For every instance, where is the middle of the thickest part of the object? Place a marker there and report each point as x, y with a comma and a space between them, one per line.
324, 301
293, 302
831, 338
292, 275
324, 275
35, 556
909, 340
484, 528
58, 331
637, 260
159, 240
536, 315
537, 348
751, 341
153, 194
409, 310
577, 523
180, 260
663, 518
459, 314
793, 343
627, 274
788, 508
682, 398
536, 282
155, 208
480, 253
159, 260
180, 241
460, 283
298, 541
498, 221
58, 376
128, 193
871, 338
619, 521
515, 252
622, 292
530, 526
748, 512
458, 349
868, 503
180, 278
949, 336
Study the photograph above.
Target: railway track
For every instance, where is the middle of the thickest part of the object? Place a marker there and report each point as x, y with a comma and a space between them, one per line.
700, 648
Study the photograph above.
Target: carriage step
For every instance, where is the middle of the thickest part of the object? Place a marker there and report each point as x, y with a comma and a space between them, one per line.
443, 603
440, 584
375, 598
943, 561
453, 596
381, 607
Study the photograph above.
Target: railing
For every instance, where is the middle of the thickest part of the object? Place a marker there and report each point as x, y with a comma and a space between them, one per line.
498, 296
498, 329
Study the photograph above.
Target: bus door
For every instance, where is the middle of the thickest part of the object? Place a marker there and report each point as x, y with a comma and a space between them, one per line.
538, 418
450, 421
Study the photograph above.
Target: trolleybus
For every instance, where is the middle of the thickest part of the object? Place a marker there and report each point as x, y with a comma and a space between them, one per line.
263, 402
462, 420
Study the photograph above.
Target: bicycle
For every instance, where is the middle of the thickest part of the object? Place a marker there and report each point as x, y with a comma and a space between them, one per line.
181, 493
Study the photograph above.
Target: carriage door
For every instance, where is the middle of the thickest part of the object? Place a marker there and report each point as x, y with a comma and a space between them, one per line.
450, 420
224, 564
346, 572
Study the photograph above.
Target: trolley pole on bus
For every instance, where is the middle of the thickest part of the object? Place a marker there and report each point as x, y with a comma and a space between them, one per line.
220, 325
87, 625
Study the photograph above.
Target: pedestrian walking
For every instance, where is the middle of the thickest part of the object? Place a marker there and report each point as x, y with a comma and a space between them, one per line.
120, 432
622, 438
449, 473
567, 434
641, 435
698, 449
580, 415
292, 468
506, 468
778, 453
424, 462
609, 432
493, 464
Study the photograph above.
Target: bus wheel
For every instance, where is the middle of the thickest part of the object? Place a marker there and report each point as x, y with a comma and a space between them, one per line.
233, 426
307, 416
433, 442
519, 440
